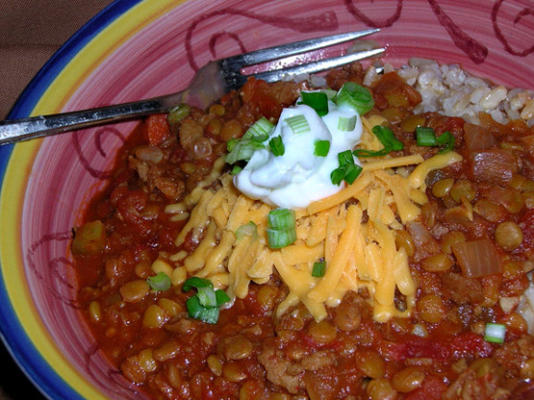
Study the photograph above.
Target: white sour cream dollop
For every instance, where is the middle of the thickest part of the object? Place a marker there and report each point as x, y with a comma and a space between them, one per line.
299, 177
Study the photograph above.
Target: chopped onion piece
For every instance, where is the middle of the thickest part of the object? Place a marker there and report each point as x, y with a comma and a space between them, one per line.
495, 333
477, 258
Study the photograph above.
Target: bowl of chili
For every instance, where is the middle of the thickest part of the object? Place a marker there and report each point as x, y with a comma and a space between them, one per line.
137, 49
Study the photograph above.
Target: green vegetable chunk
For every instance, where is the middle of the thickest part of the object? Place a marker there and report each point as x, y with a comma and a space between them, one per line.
319, 269
205, 304
316, 100
356, 97
386, 136
495, 333
277, 146
321, 148
159, 282
281, 231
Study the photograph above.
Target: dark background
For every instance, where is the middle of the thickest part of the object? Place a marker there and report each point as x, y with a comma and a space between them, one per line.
30, 32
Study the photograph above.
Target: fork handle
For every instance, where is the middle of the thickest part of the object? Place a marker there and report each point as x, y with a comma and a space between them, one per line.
208, 85
33, 127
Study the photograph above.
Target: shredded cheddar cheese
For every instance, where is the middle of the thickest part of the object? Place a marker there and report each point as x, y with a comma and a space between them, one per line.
353, 231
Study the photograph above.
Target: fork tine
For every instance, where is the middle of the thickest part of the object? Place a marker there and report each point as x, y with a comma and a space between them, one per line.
303, 46
316, 66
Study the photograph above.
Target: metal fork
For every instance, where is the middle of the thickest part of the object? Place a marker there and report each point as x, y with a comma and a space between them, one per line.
209, 84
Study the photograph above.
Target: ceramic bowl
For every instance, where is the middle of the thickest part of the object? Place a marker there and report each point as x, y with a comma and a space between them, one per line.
136, 49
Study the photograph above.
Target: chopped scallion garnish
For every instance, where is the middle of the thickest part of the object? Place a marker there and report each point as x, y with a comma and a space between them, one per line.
356, 97
242, 150
159, 282
298, 124
347, 171
209, 315
425, 136
281, 231
351, 173
249, 229
316, 100
206, 296
495, 333
345, 158
346, 123
196, 282
221, 297
277, 146
279, 238
446, 139
236, 169
319, 269
178, 113
259, 130
337, 175
330, 93
205, 304
321, 148
386, 136
281, 218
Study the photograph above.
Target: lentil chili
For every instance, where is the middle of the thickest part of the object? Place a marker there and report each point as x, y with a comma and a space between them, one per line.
440, 352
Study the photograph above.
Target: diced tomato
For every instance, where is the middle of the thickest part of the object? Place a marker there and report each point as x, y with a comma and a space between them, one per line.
157, 129
462, 345
432, 389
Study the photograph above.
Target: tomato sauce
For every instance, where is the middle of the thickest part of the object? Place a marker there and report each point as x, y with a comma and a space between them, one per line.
250, 353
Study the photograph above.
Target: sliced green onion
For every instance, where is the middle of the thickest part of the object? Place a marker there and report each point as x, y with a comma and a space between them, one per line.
345, 158
277, 146
387, 138
446, 139
495, 333
204, 305
281, 218
351, 173
347, 171
242, 149
194, 308
321, 148
178, 113
278, 238
281, 230
319, 269
221, 297
337, 175
330, 93
209, 315
356, 97
230, 145
196, 282
259, 130
316, 100
236, 169
159, 282
346, 123
249, 229
425, 136
298, 124
206, 296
